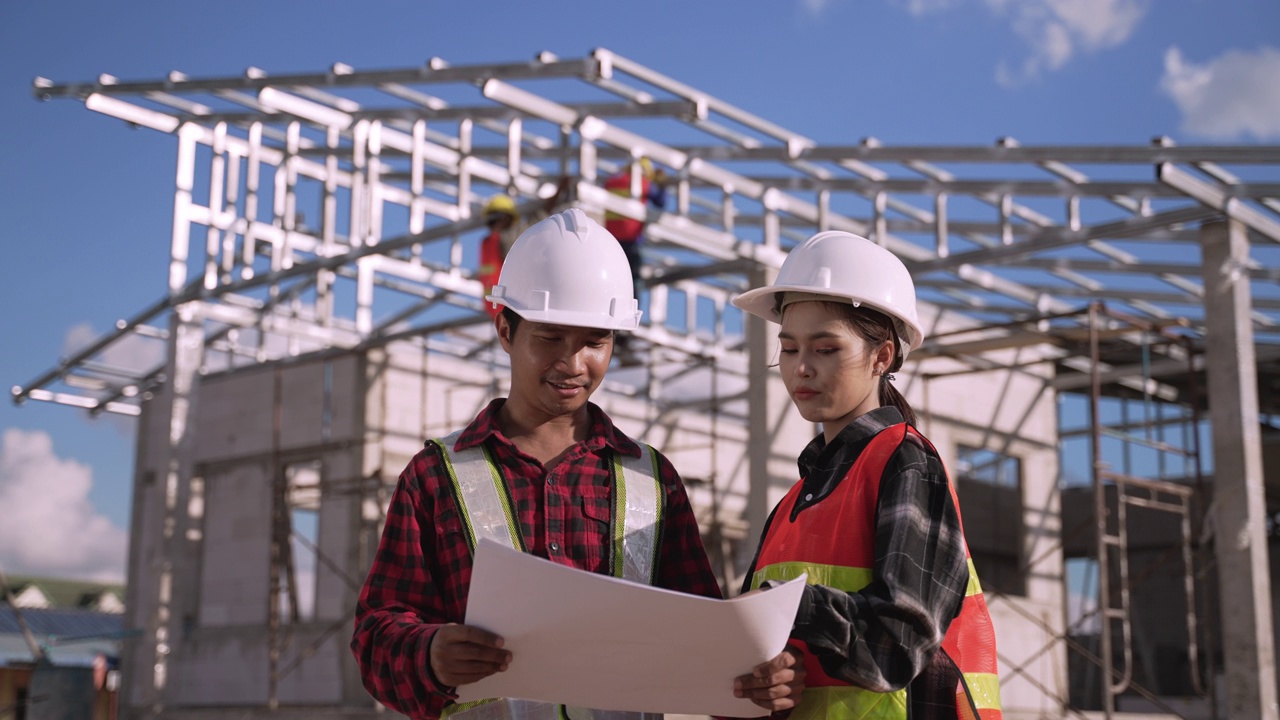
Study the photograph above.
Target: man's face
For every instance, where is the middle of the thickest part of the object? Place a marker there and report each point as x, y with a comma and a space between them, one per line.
499, 221
555, 368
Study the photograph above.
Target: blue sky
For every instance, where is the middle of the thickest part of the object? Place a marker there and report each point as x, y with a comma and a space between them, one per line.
86, 202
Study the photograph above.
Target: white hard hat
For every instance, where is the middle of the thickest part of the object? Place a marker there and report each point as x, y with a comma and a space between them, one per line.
848, 267
568, 270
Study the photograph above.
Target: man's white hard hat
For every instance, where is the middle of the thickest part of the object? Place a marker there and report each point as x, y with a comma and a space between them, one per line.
844, 267
568, 270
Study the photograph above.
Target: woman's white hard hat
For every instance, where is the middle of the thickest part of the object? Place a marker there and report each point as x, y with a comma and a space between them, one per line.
568, 270
843, 267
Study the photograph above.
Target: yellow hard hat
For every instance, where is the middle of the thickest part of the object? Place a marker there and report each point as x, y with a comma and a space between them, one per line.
646, 167
501, 204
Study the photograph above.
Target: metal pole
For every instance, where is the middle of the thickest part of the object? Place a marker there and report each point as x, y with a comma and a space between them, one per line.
1100, 513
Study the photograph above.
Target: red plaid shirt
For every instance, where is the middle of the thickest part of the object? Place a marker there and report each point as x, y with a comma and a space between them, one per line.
422, 571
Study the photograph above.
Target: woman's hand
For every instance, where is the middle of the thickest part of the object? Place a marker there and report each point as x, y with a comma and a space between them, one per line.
776, 684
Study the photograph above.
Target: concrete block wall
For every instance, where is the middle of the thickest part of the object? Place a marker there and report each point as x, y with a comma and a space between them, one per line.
235, 563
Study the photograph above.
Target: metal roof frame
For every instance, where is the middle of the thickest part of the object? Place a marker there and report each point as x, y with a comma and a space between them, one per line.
395, 172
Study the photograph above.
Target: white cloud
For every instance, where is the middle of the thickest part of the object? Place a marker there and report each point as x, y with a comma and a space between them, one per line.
924, 7
1234, 95
1055, 30
50, 528
815, 7
1099, 24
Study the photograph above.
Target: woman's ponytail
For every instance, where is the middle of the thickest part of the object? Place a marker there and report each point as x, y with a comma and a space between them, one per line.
889, 396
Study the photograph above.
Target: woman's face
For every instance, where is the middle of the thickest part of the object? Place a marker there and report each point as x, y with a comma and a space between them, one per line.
831, 373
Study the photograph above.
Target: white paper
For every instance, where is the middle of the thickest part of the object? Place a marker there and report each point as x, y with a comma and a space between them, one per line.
587, 640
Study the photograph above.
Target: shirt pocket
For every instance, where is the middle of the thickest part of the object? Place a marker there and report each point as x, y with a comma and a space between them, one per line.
597, 504
593, 541
449, 525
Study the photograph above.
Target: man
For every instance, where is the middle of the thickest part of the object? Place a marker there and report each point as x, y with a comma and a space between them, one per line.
500, 217
546, 458
651, 187
505, 224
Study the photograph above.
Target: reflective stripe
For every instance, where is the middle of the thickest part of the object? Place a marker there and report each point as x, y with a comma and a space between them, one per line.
984, 688
638, 501
503, 710
846, 702
841, 578
486, 509
974, 587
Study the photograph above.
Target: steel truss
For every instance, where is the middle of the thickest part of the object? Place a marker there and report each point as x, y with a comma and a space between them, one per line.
338, 211
328, 210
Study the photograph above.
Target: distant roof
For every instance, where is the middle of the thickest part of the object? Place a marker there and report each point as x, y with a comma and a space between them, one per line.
70, 637
65, 593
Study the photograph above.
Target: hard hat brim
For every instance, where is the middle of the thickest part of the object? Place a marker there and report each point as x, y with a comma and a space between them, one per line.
595, 321
762, 302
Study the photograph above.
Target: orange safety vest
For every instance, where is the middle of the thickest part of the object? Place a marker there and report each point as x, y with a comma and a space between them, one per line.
490, 267
624, 228
834, 542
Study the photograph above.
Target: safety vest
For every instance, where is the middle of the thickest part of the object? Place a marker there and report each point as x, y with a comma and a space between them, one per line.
485, 505
624, 228
834, 542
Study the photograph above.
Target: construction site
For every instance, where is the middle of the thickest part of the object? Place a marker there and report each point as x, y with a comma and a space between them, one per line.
1101, 373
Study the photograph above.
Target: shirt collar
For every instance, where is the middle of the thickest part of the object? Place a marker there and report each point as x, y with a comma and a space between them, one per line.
818, 456
601, 431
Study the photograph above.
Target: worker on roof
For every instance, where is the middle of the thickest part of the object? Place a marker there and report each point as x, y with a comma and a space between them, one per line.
893, 623
638, 180
503, 219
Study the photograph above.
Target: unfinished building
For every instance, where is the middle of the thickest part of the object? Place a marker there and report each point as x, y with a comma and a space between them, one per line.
322, 318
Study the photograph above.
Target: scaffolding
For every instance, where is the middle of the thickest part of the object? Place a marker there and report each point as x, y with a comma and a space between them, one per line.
327, 213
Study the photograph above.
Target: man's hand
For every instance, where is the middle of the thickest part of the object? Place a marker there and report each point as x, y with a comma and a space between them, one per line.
774, 685
462, 654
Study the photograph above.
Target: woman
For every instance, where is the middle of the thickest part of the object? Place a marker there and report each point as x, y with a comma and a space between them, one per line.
892, 623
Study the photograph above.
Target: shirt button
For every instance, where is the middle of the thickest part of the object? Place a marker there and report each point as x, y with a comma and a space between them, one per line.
551, 481
808, 497
555, 546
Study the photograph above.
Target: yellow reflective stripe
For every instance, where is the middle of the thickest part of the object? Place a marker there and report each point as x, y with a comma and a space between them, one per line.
637, 515
445, 452
975, 587
849, 579
481, 494
619, 514
463, 707
846, 702
500, 487
842, 578
984, 688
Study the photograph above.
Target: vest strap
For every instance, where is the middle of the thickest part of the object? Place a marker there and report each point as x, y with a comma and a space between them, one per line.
848, 702
481, 493
488, 512
638, 501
